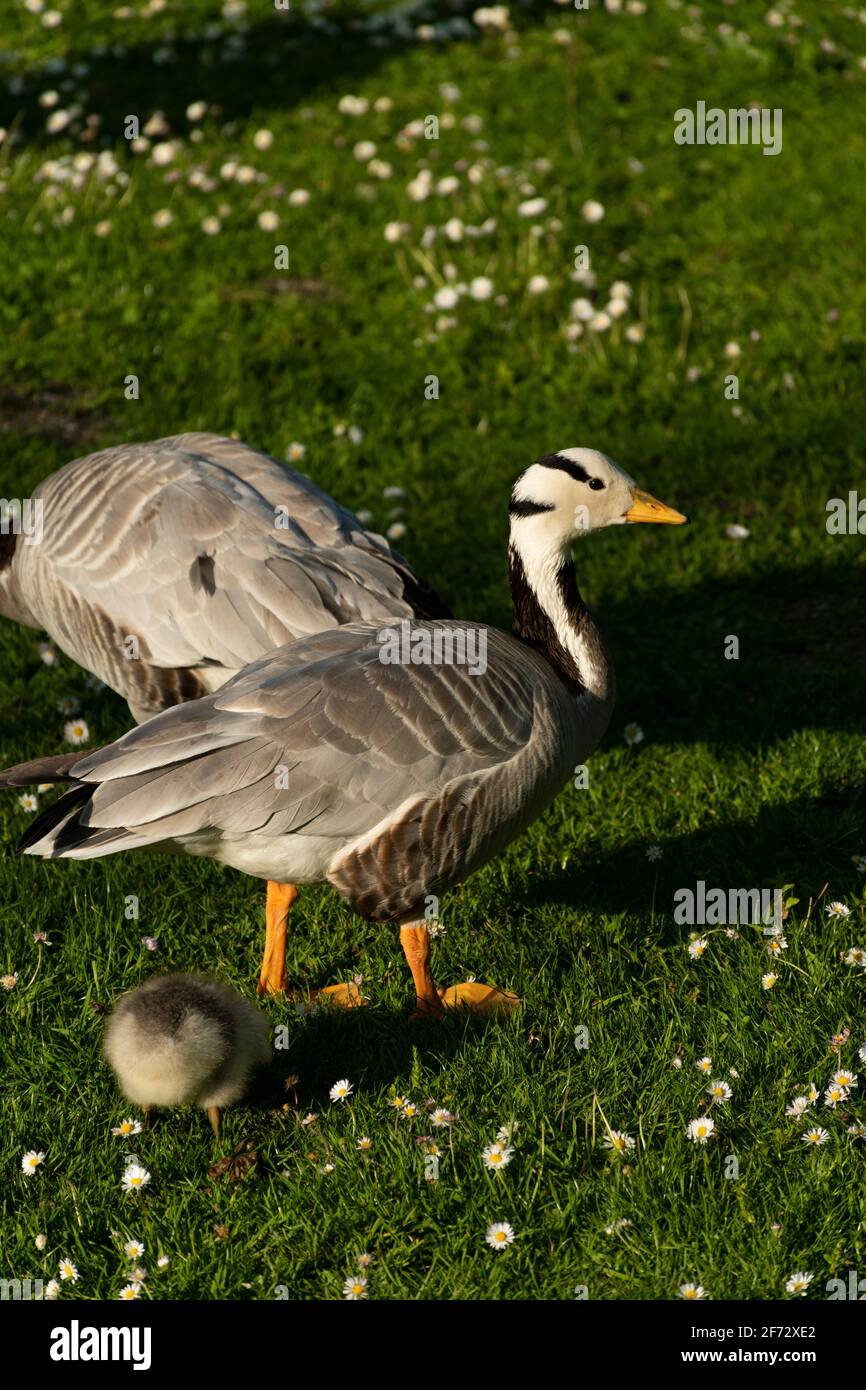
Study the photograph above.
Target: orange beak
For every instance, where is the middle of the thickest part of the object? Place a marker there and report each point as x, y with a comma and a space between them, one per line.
647, 508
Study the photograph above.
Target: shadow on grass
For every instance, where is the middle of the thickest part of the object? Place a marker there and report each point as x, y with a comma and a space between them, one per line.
801, 665
381, 1045
809, 842
283, 62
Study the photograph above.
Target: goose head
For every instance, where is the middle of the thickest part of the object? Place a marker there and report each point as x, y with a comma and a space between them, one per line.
565, 495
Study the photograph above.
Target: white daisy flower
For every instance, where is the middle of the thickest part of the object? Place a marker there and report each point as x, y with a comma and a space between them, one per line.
815, 1137
537, 284
129, 1293
619, 1225
164, 152
446, 297
268, 220
365, 1143
698, 947
126, 1128
28, 802
298, 197
296, 452
592, 211
134, 1249
40, 1241
32, 1160
135, 1178
720, 1092
798, 1283
68, 1271
855, 955
355, 1288
704, 1064
618, 1141
532, 207
700, 1130
480, 288
341, 1090
497, 1156
844, 1078
837, 910
635, 333
692, 1292
499, 1235
835, 1095
799, 1105
9, 982
769, 980
76, 732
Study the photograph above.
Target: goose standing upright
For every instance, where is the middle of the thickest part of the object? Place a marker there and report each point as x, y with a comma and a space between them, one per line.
167, 567
392, 781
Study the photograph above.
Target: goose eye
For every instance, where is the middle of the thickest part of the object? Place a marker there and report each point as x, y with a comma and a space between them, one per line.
596, 484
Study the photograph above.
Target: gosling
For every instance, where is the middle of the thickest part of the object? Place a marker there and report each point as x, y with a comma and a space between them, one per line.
179, 1039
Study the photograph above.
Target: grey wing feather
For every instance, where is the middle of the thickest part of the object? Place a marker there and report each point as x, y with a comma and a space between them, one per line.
417, 774
206, 552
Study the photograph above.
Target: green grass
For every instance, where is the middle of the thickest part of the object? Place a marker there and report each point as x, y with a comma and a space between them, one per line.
751, 772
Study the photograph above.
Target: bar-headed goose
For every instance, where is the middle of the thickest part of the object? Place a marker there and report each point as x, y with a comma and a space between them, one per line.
167, 567
381, 765
185, 1039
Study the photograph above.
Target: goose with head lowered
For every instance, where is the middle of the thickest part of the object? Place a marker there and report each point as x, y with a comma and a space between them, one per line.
392, 780
167, 567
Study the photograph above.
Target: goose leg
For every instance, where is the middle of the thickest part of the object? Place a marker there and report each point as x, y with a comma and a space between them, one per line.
274, 977
486, 1000
273, 974
415, 941
213, 1114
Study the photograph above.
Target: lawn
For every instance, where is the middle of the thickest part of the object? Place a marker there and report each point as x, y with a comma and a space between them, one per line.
159, 263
